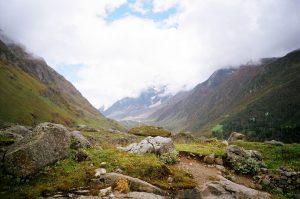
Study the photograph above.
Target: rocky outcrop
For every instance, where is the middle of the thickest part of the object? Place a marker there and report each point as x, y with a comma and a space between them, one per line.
226, 189
136, 184
236, 136
244, 161
158, 145
46, 144
79, 141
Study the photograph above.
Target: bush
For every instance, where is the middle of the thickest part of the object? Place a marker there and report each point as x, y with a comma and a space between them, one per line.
246, 165
170, 157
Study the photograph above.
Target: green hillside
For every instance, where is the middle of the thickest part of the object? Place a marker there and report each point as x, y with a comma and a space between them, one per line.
31, 92
260, 100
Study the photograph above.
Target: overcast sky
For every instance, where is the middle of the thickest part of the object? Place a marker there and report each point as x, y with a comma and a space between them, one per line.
110, 49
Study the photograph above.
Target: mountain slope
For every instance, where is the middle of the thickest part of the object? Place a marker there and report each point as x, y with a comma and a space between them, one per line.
134, 108
258, 99
32, 92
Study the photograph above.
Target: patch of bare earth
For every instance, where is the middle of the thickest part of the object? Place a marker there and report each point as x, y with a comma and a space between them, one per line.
204, 173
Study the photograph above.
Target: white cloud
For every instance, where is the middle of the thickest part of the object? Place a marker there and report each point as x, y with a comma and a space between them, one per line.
123, 57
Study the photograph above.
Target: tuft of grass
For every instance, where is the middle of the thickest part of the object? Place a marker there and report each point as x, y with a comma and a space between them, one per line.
150, 131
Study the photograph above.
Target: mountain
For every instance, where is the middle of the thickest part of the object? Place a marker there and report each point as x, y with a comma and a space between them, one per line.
261, 100
32, 92
135, 108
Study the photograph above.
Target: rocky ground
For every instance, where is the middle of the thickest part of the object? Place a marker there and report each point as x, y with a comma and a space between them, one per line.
51, 161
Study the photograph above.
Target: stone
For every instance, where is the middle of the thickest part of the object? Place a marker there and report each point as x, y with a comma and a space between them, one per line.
142, 195
219, 161
83, 127
224, 142
99, 172
220, 168
274, 142
209, 159
103, 165
226, 189
255, 155
81, 155
79, 141
234, 136
105, 192
45, 145
170, 179
158, 145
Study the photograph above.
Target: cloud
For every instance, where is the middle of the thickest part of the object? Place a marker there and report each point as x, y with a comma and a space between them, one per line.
124, 56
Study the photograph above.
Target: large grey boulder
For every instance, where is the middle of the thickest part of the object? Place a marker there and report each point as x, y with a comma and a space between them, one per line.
158, 145
46, 144
226, 189
79, 141
236, 136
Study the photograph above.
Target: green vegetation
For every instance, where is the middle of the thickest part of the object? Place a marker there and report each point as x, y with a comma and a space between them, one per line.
67, 173
287, 155
150, 131
202, 148
274, 156
218, 131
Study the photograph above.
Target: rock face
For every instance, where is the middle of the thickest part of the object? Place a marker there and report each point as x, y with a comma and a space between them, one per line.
226, 189
79, 140
158, 145
47, 144
236, 136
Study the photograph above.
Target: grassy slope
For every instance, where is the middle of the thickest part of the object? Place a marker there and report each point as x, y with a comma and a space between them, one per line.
149, 131
31, 92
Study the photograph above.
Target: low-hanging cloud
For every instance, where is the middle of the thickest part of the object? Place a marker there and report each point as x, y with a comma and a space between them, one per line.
122, 57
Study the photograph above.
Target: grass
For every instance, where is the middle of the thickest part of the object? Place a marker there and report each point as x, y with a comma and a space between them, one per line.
287, 155
274, 156
202, 149
150, 131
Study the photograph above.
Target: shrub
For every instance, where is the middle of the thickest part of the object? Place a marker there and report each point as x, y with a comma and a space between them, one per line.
169, 157
246, 165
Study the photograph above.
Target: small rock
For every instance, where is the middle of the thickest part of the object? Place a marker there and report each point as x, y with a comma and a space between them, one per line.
81, 156
118, 170
103, 165
236, 136
274, 142
170, 179
105, 192
224, 142
220, 168
100, 171
219, 161
209, 159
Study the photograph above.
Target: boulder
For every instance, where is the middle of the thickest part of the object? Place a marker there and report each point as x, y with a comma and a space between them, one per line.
229, 190
140, 195
46, 144
236, 136
19, 129
158, 145
135, 184
79, 141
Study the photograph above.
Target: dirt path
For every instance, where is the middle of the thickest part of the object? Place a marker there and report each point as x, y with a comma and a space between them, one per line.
201, 172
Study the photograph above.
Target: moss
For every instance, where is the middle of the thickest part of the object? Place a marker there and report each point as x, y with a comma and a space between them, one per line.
121, 185
202, 148
150, 131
